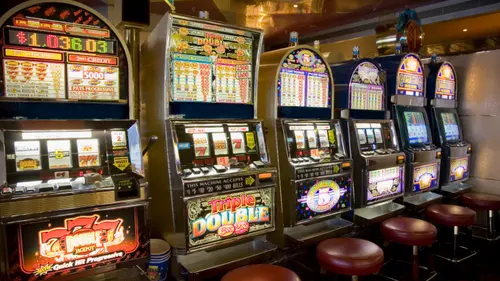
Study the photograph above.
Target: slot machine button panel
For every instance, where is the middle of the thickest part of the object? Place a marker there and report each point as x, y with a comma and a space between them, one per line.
315, 158
259, 164
19, 190
219, 168
6, 191
196, 171
46, 188
187, 172
65, 187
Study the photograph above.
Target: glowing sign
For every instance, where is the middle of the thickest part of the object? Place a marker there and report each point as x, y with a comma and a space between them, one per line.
304, 81
62, 245
410, 78
384, 183
214, 218
208, 66
366, 91
425, 177
316, 198
445, 83
59, 42
459, 169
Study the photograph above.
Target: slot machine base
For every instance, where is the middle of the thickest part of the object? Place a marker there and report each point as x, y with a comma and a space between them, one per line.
377, 213
422, 200
309, 234
455, 189
206, 264
133, 273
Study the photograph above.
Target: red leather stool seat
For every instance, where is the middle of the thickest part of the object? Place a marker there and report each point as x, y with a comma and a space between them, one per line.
261, 272
482, 201
451, 215
409, 231
350, 256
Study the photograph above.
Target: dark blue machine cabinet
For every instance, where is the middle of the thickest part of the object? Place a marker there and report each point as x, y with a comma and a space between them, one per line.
360, 94
406, 88
446, 128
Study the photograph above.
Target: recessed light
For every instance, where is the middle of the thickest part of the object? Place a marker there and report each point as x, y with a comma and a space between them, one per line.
295, 5
464, 30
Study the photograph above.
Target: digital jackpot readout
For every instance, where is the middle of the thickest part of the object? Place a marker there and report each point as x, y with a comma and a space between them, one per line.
59, 42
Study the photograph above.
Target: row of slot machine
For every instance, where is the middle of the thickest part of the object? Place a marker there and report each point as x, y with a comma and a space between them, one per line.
239, 173
249, 156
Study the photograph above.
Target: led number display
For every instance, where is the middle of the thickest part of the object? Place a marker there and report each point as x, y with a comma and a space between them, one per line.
59, 42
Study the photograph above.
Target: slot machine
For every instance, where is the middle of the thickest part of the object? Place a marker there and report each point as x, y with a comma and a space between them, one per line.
446, 128
213, 185
406, 86
73, 200
295, 101
360, 93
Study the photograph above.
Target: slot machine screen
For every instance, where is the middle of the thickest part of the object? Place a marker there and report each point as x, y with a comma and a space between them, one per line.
313, 139
66, 155
450, 125
384, 183
445, 82
304, 81
416, 127
211, 65
229, 145
322, 197
366, 91
410, 77
372, 136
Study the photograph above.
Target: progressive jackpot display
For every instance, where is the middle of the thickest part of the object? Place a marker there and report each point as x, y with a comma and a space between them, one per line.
57, 52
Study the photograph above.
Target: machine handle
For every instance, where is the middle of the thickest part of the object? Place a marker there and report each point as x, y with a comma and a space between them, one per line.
152, 140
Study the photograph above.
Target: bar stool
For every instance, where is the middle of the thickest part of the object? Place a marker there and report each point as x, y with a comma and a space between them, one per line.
486, 202
261, 272
455, 217
411, 232
349, 256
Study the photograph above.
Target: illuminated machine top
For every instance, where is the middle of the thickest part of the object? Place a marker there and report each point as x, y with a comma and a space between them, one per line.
410, 77
446, 83
366, 91
59, 57
304, 82
212, 68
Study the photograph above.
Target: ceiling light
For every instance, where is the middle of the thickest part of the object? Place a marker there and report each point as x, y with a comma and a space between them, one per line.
295, 5
464, 30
